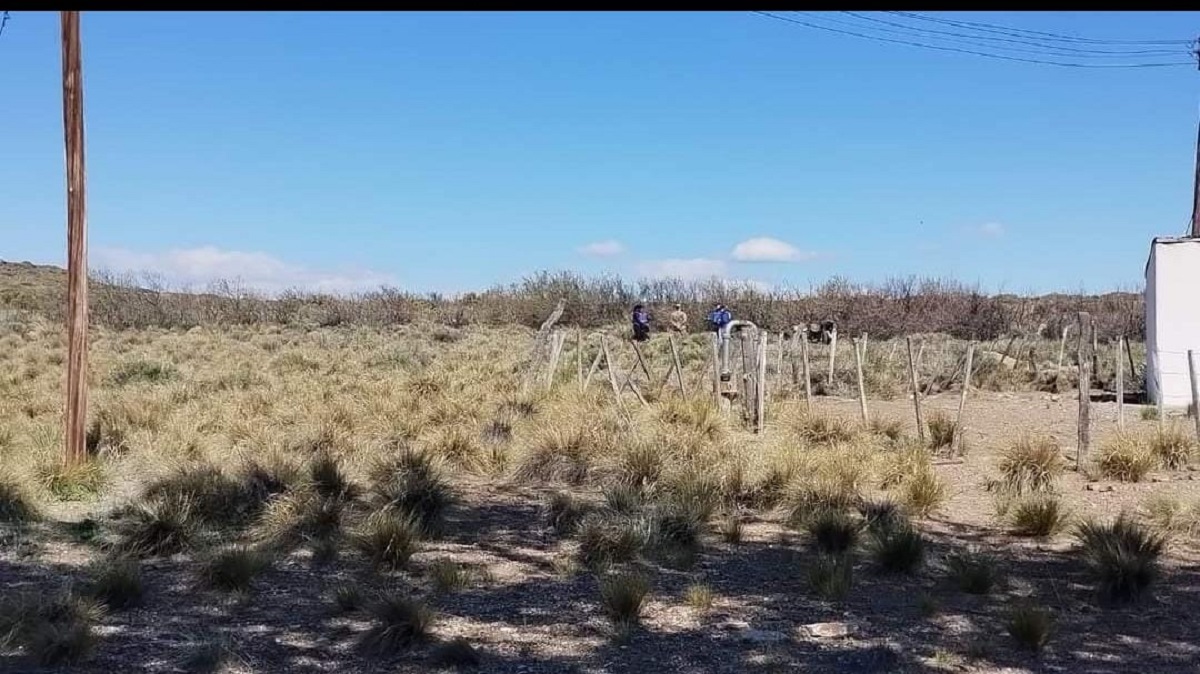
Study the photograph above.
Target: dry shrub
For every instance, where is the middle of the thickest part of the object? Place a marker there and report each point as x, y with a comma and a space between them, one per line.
941, 430
233, 568
824, 430
833, 530
301, 517
1172, 445
1030, 464
609, 538
1170, 515
1125, 458
1122, 555
560, 455
898, 548
923, 492
162, 526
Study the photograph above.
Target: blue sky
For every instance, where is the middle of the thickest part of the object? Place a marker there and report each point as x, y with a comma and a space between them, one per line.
452, 151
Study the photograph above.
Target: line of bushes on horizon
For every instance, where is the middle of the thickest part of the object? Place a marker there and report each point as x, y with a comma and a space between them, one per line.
893, 308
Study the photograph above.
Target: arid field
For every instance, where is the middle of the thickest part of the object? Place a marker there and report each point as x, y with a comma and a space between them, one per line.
392, 499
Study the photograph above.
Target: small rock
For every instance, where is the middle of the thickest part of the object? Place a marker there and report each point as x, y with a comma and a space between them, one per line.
1055, 398
835, 630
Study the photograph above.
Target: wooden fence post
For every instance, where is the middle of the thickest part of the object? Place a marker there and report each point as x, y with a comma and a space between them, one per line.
1195, 391
579, 356
859, 345
1062, 349
760, 400
716, 369
956, 441
807, 374
678, 367
916, 390
832, 360
1120, 384
557, 340
1085, 388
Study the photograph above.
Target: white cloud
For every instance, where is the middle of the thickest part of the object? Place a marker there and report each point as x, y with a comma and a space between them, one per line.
766, 249
189, 267
685, 269
606, 248
991, 230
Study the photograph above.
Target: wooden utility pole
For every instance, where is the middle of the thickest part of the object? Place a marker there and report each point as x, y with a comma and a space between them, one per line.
1196, 185
77, 302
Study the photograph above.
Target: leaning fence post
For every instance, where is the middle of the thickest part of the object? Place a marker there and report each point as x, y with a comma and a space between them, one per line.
916, 390
859, 344
1085, 387
956, 441
678, 367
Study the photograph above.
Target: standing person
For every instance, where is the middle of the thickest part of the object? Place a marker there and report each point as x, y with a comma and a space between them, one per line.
641, 323
678, 319
719, 319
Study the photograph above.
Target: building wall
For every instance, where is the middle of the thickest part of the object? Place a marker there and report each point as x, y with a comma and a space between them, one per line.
1172, 318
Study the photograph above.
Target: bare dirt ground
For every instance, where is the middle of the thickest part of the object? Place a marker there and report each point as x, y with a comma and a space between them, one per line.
526, 613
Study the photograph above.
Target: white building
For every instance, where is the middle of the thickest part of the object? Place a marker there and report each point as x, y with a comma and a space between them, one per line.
1172, 318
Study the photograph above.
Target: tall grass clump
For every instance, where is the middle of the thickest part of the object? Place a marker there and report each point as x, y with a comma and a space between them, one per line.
1036, 515
972, 571
1169, 515
564, 512
412, 483
1122, 555
397, 623
53, 630
941, 430
1125, 458
831, 576
1030, 626
623, 595
156, 527
559, 455
115, 583
1030, 464
74, 482
15, 504
1172, 445
923, 492
833, 530
606, 539
824, 430
388, 538
899, 548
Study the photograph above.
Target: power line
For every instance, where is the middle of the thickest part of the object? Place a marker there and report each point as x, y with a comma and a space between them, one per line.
1070, 51
1005, 30
1002, 57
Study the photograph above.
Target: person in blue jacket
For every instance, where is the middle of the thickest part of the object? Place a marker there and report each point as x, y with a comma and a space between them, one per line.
641, 324
719, 319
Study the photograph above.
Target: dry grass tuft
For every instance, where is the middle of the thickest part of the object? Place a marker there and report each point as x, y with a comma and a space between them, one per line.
833, 530
899, 548
606, 539
1169, 515
1122, 555
564, 512
398, 623
456, 654
1173, 446
972, 571
1037, 515
233, 568
116, 583
699, 596
1125, 458
78, 482
53, 630
831, 576
151, 528
623, 595
15, 504
388, 538
824, 430
941, 430
412, 483
923, 492
1031, 464
1030, 626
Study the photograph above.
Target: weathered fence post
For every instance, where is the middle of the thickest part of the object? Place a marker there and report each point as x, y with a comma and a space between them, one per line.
832, 360
1120, 384
1085, 388
1062, 349
1195, 391
579, 356
916, 390
760, 401
956, 441
859, 345
678, 367
807, 374
716, 369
